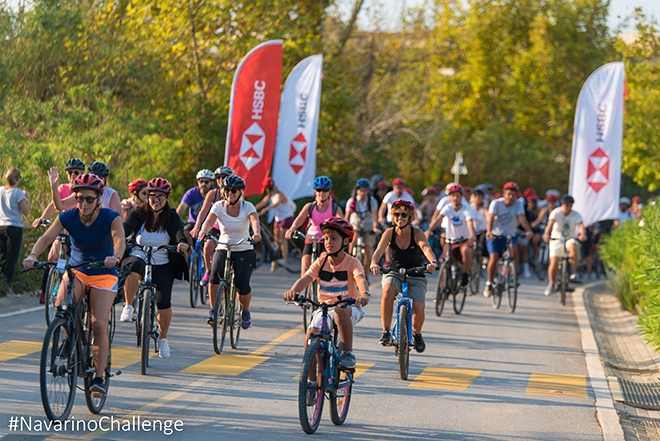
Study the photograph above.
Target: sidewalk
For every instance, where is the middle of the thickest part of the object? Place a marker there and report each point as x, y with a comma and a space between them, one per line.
631, 365
13, 304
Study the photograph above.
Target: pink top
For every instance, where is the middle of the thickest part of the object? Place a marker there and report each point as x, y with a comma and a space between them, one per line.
65, 191
314, 228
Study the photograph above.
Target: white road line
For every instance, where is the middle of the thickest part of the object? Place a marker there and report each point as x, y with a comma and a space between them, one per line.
607, 414
22, 311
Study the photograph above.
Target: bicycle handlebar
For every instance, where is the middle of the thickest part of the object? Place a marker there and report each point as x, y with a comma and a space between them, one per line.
403, 270
302, 235
172, 248
300, 300
89, 264
217, 241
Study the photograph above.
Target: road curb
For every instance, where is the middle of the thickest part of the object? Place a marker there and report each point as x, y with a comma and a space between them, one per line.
608, 417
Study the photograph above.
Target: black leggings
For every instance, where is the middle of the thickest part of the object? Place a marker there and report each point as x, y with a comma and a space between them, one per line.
244, 263
161, 275
10, 246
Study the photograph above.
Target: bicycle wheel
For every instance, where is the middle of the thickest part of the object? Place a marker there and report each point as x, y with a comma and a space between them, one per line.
235, 323
404, 342
260, 249
312, 366
475, 272
340, 397
58, 372
193, 286
52, 286
219, 315
496, 298
459, 298
95, 403
511, 287
442, 290
563, 283
145, 326
542, 262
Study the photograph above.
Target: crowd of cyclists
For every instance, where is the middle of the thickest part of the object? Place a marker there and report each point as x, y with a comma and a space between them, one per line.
396, 232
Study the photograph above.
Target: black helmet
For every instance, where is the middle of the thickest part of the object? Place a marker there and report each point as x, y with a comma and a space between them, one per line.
567, 199
74, 163
233, 182
99, 169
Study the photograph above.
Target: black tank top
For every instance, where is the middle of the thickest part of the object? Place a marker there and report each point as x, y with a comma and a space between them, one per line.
410, 257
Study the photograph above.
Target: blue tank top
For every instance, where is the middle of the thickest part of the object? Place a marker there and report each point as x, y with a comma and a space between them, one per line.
90, 241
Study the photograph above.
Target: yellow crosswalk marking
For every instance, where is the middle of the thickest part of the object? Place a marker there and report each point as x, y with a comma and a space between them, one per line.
445, 378
123, 356
360, 368
558, 385
16, 348
225, 364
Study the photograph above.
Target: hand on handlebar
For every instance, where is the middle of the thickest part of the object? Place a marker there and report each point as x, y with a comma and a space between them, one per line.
29, 261
489, 235
289, 233
182, 247
111, 262
546, 237
256, 237
430, 267
290, 296
375, 269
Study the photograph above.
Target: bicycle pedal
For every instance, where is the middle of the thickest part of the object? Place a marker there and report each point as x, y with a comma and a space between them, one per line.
350, 371
114, 374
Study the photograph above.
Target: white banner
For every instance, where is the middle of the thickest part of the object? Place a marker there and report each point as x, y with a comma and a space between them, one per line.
294, 164
597, 139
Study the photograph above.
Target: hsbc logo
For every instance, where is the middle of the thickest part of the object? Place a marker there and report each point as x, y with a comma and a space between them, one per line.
252, 146
298, 153
598, 171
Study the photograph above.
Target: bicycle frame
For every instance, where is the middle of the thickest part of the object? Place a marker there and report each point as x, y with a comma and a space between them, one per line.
403, 299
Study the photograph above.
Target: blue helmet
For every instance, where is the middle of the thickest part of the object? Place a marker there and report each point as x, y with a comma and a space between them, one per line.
322, 182
362, 183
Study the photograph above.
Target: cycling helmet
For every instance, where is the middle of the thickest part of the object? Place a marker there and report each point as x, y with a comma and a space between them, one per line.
340, 224
637, 199
99, 168
567, 199
552, 197
233, 181
407, 204
624, 200
74, 163
511, 186
362, 183
268, 182
398, 181
478, 192
529, 192
429, 191
453, 188
467, 189
205, 173
409, 191
223, 170
159, 184
88, 181
382, 184
136, 185
552, 192
488, 186
322, 182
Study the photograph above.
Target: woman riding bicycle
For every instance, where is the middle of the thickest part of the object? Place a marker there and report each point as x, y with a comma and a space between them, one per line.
138, 191
276, 200
234, 218
156, 224
406, 244
96, 233
362, 213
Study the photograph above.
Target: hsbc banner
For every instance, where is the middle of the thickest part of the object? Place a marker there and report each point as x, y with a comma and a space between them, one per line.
294, 166
597, 140
255, 102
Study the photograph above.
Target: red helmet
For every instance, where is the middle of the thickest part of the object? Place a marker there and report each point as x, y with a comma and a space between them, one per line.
136, 185
497, 195
268, 182
529, 192
511, 186
398, 181
382, 184
88, 181
467, 189
159, 184
637, 199
409, 191
453, 188
429, 191
340, 224
404, 203
552, 197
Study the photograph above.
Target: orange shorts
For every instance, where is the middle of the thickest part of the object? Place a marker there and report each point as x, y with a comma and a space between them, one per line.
106, 282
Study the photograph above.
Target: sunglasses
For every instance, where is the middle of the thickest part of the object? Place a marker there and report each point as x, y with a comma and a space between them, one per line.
157, 197
73, 172
321, 190
220, 177
399, 214
204, 181
88, 199
232, 190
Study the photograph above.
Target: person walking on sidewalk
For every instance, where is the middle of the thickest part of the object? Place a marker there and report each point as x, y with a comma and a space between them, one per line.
14, 202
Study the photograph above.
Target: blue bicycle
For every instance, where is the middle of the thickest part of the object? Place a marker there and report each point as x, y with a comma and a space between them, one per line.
402, 328
197, 270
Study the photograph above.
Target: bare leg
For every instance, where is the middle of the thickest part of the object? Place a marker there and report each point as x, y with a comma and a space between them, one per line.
305, 263
100, 302
131, 287
164, 320
387, 306
492, 265
418, 316
345, 327
245, 300
553, 269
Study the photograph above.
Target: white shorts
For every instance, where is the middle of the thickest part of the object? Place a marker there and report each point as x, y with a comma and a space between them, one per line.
356, 315
556, 248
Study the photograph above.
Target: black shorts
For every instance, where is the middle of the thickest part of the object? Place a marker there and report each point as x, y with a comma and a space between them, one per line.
190, 225
244, 264
307, 249
161, 275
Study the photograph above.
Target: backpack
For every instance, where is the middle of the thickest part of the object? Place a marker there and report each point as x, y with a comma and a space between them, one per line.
335, 207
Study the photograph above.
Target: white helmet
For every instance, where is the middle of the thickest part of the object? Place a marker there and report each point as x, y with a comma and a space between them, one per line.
205, 173
223, 170
624, 200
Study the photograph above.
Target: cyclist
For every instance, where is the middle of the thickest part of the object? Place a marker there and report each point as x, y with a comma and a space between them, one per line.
97, 233
281, 205
234, 218
397, 193
361, 212
318, 211
406, 245
193, 199
504, 215
459, 234
211, 198
428, 205
156, 224
109, 198
624, 213
563, 223
340, 275
529, 203
138, 190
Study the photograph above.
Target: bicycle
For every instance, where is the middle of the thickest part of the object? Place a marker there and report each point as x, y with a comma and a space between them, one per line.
449, 281
55, 273
359, 250
146, 325
197, 271
402, 323
562, 272
478, 266
507, 279
267, 247
321, 361
540, 265
67, 353
227, 309
312, 291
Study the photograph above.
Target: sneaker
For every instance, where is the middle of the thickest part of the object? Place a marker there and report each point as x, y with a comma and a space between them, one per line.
127, 313
97, 388
205, 279
573, 277
163, 348
312, 392
488, 289
464, 279
385, 338
418, 342
548, 290
209, 319
526, 273
347, 360
281, 262
246, 320
273, 266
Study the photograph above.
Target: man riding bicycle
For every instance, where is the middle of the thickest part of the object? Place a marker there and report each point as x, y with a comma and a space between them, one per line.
192, 201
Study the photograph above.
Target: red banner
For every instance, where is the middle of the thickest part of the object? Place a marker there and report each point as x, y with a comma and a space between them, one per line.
253, 113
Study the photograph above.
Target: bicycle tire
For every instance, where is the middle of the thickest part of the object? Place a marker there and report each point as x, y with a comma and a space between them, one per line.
563, 283
219, 315
145, 330
58, 370
542, 262
193, 286
442, 289
235, 324
460, 294
512, 287
475, 272
52, 286
95, 404
404, 342
310, 416
260, 250
340, 396
496, 298
112, 323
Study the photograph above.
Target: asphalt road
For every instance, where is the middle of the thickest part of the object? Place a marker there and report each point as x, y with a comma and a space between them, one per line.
485, 375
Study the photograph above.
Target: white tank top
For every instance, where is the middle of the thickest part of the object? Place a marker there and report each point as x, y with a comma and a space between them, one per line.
105, 197
282, 211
